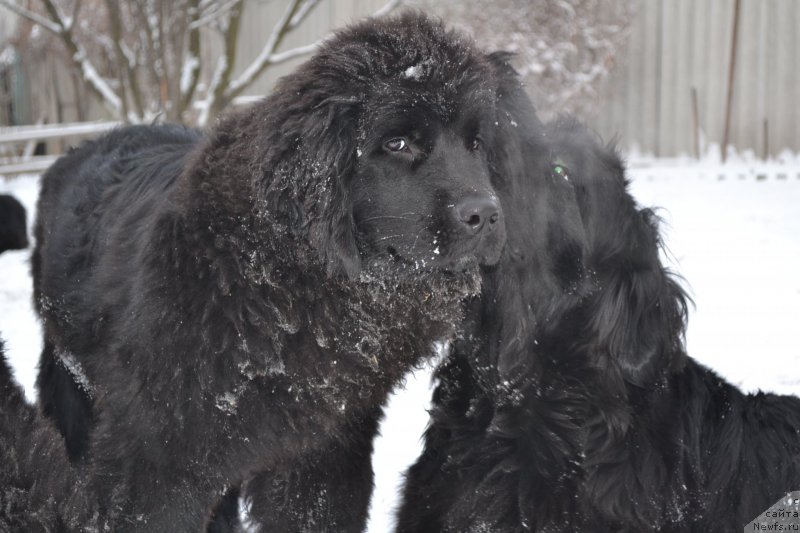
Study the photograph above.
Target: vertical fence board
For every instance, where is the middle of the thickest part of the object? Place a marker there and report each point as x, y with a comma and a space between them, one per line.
678, 44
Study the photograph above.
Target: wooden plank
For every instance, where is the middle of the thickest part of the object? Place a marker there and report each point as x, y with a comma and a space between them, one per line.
748, 111
650, 79
699, 72
680, 132
15, 134
720, 28
787, 135
669, 66
34, 165
761, 74
688, 44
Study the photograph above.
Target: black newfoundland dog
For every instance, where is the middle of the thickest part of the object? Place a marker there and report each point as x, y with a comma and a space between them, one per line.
13, 224
574, 407
215, 306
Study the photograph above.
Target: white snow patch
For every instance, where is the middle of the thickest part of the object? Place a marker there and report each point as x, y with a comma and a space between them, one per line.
75, 369
418, 71
190, 66
8, 56
19, 326
91, 75
414, 72
227, 403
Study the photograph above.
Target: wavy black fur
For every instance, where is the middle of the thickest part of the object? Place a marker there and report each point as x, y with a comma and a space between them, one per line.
13, 226
215, 306
573, 406
39, 489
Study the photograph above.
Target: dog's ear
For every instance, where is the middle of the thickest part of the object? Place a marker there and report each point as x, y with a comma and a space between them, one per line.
332, 138
313, 137
311, 149
636, 314
639, 312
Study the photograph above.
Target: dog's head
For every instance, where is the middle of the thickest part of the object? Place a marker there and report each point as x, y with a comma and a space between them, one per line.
391, 130
634, 311
581, 271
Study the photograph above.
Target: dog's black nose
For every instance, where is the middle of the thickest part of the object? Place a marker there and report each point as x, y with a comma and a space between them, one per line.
476, 212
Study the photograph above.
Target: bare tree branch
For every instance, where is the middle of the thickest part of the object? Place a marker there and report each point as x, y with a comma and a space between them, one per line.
65, 21
96, 83
222, 72
76, 8
293, 15
30, 15
262, 60
150, 50
115, 27
564, 50
190, 69
282, 57
211, 12
301, 13
151, 23
125, 61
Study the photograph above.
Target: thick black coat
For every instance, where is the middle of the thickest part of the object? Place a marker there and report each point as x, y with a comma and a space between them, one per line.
39, 490
244, 301
13, 226
573, 406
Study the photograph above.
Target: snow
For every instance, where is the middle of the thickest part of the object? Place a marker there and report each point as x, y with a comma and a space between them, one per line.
216, 79
414, 72
75, 369
18, 324
8, 56
734, 235
268, 51
94, 79
190, 65
419, 71
732, 231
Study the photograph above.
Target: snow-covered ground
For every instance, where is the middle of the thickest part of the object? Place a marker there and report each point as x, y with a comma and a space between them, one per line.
732, 231
18, 324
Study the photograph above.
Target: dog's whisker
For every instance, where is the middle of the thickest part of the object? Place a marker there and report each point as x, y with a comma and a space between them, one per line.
421, 215
390, 237
401, 216
386, 216
416, 238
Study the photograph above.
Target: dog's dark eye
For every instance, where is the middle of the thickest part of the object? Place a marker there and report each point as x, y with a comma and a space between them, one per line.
560, 171
397, 145
475, 144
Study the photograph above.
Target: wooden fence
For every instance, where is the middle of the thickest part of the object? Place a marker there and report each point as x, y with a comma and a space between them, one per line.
668, 93
678, 60
12, 137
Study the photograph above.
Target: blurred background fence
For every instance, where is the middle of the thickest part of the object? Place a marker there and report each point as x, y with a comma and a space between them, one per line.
655, 74
677, 60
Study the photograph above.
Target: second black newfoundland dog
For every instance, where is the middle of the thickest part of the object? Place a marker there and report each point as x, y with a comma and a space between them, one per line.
574, 407
243, 301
